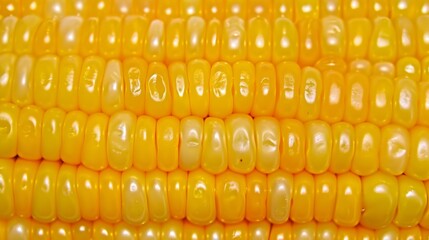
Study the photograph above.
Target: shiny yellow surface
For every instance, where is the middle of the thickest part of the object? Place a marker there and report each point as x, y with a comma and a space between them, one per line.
231, 119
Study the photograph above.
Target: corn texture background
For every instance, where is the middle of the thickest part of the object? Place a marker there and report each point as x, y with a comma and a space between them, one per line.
214, 119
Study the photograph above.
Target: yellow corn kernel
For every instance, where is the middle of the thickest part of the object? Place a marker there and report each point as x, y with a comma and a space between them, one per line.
7, 33
383, 44
177, 184
69, 35
318, 146
390, 232
200, 200
304, 230
376, 188
45, 41
191, 139
94, 154
243, 86
259, 8
343, 147
156, 190
9, 119
52, 128
236, 8
419, 149
333, 96
199, 80
330, 8
44, 195
240, 139
102, 230
348, 202
306, 9
30, 133
366, 159
195, 37
357, 99
68, 82
332, 37
256, 196
67, 203
167, 10
175, 40
87, 185
267, 136
325, 192
309, 42
112, 88
110, 196
214, 158
154, 44
145, 155
7, 63
279, 196
380, 100
18, 228
236, 231
6, 195
325, 231
422, 31
378, 8
135, 70
215, 231
285, 41
409, 67
22, 81
24, 174
302, 209
281, 231
265, 90
214, 9
292, 147
133, 197
358, 40
82, 229
355, 9
220, 88
90, 82
158, 93
73, 136
233, 43
230, 197
385, 69
25, 31
405, 102
167, 142
423, 94
46, 71
123, 231
361, 65
89, 36
288, 84
40, 231
412, 201
120, 140
394, 149
133, 34
406, 36
213, 39
259, 39
310, 94
191, 231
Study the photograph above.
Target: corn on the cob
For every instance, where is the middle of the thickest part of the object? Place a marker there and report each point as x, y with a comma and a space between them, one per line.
229, 119
17, 228
305, 41
49, 190
239, 142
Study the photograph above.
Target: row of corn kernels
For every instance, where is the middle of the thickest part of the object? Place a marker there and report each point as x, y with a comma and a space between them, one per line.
166, 10
200, 89
239, 143
50, 190
258, 39
21, 228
